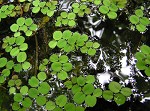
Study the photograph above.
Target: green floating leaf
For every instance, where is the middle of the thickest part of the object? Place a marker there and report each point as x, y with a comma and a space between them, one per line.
26, 65
119, 99
97, 92
2, 79
145, 49
62, 75
90, 100
75, 89
67, 67
12, 90
106, 2
3, 62
15, 51
140, 27
139, 55
56, 66
24, 90
44, 88
50, 105
27, 102
52, 44
81, 81
57, 35
79, 97
134, 19
112, 15
41, 100
21, 57
23, 47
33, 27
80, 108
20, 21
139, 12
61, 100
61, 43
14, 27
50, 13
69, 107
145, 21
34, 82
88, 89
54, 58
64, 14
141, 65
126, 91
91, 52
114, 86
68, 84
18, 97
28, 21
104, 9
147, 71
28, 33
33, 93
107, 95
18, 67
15, 106
42, 76
90, 79
36, 9
63, 58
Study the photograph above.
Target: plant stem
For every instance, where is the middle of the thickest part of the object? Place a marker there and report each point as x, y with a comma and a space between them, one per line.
36, 55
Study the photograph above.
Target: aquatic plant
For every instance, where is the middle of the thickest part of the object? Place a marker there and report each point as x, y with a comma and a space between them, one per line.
66, 19
51, 80
143, 59
139, 21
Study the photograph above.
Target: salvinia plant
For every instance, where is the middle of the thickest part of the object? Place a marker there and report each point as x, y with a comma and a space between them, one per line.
50, 82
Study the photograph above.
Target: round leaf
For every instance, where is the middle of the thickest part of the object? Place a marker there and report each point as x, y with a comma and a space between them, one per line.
21, 57
90, 100
61, 100
79, 97
114, 86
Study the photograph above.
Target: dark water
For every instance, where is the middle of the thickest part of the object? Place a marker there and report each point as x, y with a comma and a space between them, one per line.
113, 61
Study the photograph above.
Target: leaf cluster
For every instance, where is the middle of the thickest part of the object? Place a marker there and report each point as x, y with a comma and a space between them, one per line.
117, 93
69, 41
9, 11
143, 59
47, 8
24, 24
60, 66
80, 9
109, 8
139, 21
65, 19
83, 90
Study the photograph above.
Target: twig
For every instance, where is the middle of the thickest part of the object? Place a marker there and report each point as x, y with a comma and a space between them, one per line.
36, 55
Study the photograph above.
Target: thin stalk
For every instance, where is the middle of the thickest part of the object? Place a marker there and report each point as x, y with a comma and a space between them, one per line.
36, 55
